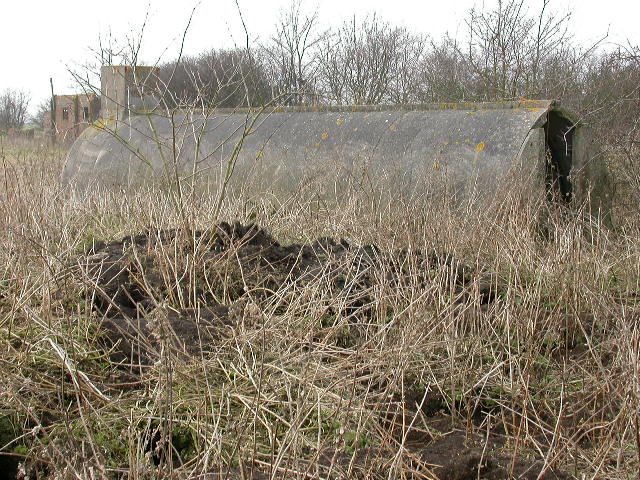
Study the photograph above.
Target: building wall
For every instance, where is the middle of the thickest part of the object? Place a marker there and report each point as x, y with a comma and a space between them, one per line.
73, 113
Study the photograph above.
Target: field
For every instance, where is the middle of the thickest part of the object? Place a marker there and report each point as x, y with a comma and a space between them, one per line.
155, 335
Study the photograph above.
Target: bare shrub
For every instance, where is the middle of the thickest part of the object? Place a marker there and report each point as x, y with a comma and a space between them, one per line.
223, 78
14, 106
367, 365
172, 333
370, 62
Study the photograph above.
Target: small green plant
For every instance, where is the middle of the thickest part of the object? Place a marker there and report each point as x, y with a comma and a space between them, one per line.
354, 440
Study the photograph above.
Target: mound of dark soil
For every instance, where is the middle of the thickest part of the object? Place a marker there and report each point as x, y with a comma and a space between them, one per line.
452, 455
189, 331
142, 270
198, 277
457, 457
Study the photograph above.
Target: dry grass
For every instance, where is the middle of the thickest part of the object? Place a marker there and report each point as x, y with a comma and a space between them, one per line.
300, 386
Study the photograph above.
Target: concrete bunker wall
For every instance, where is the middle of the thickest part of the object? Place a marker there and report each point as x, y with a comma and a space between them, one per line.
464, 143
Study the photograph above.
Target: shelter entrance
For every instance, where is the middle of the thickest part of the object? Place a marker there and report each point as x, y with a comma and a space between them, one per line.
559, 131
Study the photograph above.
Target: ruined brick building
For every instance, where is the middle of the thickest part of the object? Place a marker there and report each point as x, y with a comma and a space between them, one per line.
123, 89
73, 113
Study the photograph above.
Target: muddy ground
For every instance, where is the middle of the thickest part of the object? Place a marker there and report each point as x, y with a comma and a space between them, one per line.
192, 290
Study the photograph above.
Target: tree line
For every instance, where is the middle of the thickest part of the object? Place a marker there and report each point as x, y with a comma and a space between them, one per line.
506, 52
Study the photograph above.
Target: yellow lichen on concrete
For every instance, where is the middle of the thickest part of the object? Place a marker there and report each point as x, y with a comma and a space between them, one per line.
102, 123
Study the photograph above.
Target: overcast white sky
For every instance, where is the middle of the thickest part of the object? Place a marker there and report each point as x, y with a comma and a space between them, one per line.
39, 38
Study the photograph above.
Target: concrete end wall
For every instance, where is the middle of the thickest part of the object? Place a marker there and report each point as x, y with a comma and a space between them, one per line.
122, 87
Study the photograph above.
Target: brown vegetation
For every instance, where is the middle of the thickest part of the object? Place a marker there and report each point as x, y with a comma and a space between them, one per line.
370, 339
176, 334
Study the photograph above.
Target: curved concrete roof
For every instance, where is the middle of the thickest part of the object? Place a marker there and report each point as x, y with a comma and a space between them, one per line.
284, 144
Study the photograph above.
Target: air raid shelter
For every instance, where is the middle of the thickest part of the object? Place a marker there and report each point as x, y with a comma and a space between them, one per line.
471, 147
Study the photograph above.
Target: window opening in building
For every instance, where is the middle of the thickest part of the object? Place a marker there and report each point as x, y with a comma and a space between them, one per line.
85, 113
65, 113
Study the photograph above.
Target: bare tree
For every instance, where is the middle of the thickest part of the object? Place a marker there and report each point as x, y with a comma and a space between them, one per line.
445, 75
369, 54
291, 53
369, 62
507, 46
405, 83
332, 79
13, 109
38, 118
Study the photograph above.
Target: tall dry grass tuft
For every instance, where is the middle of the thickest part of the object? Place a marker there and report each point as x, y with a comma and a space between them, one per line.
443, 336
